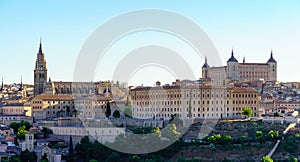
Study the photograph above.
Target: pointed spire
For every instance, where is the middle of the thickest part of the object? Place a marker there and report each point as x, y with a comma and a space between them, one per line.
205, 63
232, 58
271, 59
271, 52
40, 49
49, 79
244, 60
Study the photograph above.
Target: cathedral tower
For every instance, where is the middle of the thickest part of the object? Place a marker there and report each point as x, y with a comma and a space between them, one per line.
40, 72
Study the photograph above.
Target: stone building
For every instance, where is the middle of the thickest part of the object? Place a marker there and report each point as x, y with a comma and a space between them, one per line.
29, 142
240, 71
42, 86
195, 101
47, 106
40, 72
95, 107
16, 109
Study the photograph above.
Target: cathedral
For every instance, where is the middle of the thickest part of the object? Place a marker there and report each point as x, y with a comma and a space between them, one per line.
44, 86
244, 72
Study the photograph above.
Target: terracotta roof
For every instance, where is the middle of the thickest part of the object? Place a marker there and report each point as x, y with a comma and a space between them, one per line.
244, 90
49, 97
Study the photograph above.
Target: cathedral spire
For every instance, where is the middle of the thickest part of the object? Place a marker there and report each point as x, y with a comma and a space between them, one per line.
40, 49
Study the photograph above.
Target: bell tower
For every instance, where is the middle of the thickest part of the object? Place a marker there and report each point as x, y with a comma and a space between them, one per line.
40, 72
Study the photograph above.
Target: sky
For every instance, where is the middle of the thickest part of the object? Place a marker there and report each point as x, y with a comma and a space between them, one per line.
250, 28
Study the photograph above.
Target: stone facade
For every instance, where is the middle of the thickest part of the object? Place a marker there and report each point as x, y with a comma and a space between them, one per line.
40, 72
240, 71
13, 109
195, 101
52, 106
42, 86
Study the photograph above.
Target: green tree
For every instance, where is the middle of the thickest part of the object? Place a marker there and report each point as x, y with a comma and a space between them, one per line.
46, 131
113, 157
266, 159
108, 110
93, 160
21, 132
82, 148
276, 114
293, 159
226, 139
259, 134
26, 123
28, 156
15, 159
116, 114
173, 133
247, 111
128, 112
157, 132
273, 134
15, 126
71, 150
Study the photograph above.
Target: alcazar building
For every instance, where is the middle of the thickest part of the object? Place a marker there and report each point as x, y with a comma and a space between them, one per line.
240, 71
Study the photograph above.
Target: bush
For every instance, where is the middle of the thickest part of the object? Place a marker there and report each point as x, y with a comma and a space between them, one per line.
116, 114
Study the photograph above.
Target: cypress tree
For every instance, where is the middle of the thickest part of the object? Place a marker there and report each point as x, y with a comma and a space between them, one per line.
71, 151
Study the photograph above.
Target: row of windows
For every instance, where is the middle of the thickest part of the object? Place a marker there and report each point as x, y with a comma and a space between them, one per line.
59, 102
12, 110
147, 103
204, 115
37, 107
194, 95
95, 107
194, 109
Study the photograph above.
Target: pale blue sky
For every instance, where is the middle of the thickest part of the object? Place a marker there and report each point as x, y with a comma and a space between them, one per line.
252, 28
